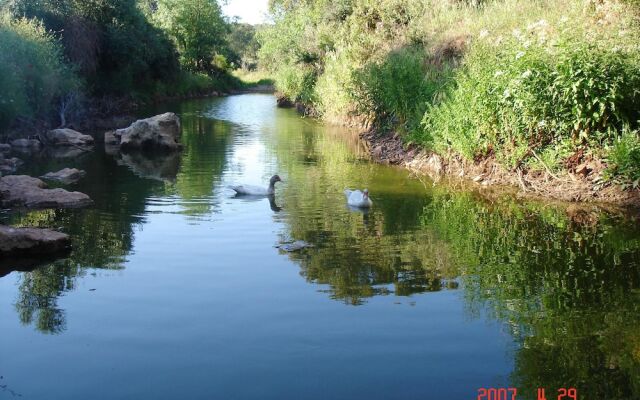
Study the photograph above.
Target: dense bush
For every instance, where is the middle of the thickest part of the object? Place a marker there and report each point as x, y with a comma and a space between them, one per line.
198, 29
113, 43
398, 89
33, 73
519, 97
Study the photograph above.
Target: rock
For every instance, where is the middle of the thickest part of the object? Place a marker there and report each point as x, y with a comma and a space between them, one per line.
25, 191
66, 176
9, 165
283, 102
26, 144
161, 132
434, 164
583, 169
67, 152
5, 148
110, 138
31, 241
67, 137
295, 246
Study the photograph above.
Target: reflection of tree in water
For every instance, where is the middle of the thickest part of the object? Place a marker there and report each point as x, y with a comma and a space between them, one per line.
568, 290
102, 237
358, 254
203, 161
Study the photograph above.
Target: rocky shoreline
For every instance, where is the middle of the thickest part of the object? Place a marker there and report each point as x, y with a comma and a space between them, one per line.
582, 185
25, 246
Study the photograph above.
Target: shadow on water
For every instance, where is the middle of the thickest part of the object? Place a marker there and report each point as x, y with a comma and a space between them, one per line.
566, 284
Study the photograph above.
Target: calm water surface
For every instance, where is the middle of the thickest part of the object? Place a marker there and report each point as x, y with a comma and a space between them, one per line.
175, 290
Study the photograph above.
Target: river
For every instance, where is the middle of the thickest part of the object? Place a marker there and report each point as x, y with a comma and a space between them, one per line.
175, 289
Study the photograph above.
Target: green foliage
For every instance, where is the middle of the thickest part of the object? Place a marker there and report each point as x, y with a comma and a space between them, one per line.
112, 42
525, 94
33, 72
198, 29
243, 46
513, 79
624, 158
399, 88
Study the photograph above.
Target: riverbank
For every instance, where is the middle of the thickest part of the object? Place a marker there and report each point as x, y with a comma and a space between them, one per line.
584, 186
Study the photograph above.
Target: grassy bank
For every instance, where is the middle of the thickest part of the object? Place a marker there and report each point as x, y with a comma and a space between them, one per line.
545, 86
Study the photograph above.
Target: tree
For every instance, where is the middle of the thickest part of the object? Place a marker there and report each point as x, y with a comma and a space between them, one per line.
198, 29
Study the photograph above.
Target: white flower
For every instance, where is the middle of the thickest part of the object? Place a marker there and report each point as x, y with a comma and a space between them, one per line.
519, 55
506, 94
498, 73
542, 123
526, 74
484, 33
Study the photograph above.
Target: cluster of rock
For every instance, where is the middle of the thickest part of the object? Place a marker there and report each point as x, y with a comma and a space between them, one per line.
161, 133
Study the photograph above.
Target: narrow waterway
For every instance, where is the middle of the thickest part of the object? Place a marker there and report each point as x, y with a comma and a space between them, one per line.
175, 289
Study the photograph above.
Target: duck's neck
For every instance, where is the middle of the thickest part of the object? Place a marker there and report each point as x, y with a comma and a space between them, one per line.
272, 187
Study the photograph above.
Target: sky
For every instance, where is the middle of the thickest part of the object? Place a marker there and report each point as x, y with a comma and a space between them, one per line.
249, 11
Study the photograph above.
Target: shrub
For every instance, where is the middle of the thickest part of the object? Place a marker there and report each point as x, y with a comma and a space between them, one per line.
33, 72
115, 46
523, 95
624, 158
398, 88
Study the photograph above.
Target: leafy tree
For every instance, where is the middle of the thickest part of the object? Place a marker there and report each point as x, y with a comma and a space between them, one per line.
114, 45
197, 27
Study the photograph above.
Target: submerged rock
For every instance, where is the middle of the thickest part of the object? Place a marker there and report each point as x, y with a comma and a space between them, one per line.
295, 246
67, 152
25, 191
5, 148
25, 144
67, 137
31, 241
66, 176
161, 132
9, 165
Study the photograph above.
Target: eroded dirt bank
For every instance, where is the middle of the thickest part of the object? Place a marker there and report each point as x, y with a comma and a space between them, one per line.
583, 185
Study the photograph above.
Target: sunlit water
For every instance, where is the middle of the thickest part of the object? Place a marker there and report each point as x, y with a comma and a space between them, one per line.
175, 289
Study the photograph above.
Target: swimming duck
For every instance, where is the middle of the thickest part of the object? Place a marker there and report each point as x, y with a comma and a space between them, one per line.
252, 190
356, 198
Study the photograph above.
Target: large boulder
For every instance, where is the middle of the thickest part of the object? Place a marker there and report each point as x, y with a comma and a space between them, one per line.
25, 191
5, 148
65, 176
31, 241
161, 132
67, 137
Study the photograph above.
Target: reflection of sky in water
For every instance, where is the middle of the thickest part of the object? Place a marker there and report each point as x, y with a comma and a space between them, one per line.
203, 306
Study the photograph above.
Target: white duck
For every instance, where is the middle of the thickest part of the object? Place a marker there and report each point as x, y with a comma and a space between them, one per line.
252, 190
356, 198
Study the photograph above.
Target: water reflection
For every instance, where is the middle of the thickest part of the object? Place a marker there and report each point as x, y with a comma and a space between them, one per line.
565, 282
568, 290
